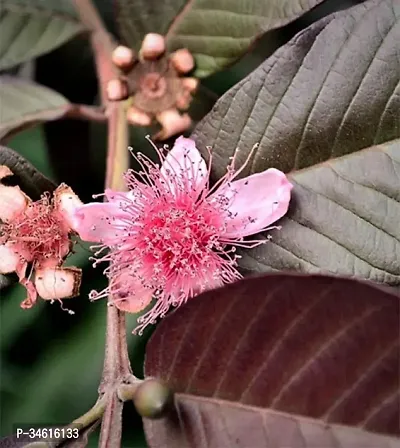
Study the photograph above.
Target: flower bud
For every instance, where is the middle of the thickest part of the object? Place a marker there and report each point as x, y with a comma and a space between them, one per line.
152, 398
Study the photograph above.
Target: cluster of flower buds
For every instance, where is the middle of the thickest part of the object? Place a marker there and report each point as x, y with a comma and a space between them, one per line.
155, 80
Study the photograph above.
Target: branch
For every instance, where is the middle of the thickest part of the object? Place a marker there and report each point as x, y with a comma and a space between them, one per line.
116, 361
83, 422
102, 44
85, 112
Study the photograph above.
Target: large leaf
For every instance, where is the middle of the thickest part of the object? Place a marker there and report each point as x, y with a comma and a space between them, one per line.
217, 33
331, 90
344, 219
314, 101
30, 28
24, 103
280, 360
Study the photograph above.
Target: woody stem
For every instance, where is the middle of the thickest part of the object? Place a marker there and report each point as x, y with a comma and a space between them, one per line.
116, 361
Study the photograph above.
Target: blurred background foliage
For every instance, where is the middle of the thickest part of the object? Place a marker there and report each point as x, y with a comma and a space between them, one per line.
51, 361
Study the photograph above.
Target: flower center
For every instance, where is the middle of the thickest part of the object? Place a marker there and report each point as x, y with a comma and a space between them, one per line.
180, 240
153, 85
37, 233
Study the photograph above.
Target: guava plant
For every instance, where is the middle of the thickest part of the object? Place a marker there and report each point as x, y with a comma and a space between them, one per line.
257, 238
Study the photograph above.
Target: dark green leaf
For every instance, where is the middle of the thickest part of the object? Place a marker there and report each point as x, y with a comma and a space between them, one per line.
282, 361
136, 18
24, 103
344, 219
31, 181
331, 90
217, 33
7, 280
30, 28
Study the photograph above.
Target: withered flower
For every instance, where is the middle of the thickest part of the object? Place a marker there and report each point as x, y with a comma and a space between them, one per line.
38, 235
154, 81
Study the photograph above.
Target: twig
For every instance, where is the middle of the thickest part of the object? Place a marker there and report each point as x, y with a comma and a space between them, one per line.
102, 44
116, 360
85, 112
83, 422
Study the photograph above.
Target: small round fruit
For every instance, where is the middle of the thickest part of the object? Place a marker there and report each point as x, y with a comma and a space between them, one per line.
152, 398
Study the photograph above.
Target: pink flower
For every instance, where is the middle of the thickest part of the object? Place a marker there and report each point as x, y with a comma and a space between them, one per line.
38, 234
172, 236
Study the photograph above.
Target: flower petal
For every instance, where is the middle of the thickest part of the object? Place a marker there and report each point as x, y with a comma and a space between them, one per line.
100, 222
66, 202
172, 123
5, 171
8, 259
58, 283
254, 202
184, 169
12, 202
31, 297
31, 294
131, 295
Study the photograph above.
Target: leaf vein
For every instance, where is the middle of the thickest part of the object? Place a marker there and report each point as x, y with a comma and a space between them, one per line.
323, 349
280, 342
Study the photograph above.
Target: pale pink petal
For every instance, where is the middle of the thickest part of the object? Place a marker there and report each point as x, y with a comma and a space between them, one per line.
12, 202
101, 222
66, 202
5, 171
31, 294
29, 286
184, 169
172, 123
8, 259
130, 295
58, 283
124, 198
134, 304
253, 203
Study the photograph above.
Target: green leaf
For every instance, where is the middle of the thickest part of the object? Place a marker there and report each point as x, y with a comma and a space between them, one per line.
217, 33
344, 219
24, 103
31, 181
30, 28
331, 90
136, 18
280, 360
311, 102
